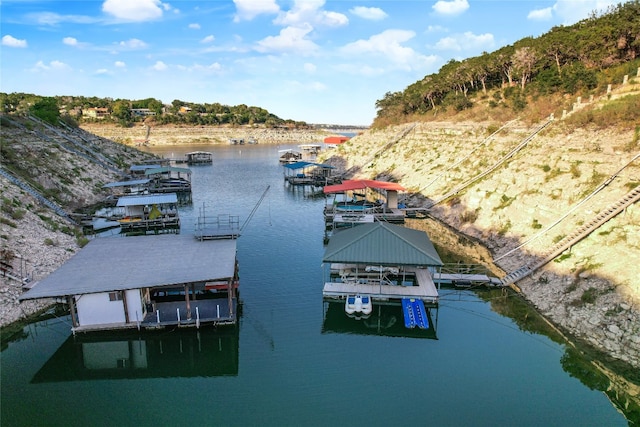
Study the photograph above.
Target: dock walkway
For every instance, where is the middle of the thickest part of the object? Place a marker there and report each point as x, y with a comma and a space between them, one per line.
380, 290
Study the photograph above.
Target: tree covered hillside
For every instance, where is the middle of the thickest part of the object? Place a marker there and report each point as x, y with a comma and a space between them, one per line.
568, 60
125, 112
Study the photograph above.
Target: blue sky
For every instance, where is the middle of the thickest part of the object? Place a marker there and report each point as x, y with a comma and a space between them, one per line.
309, 60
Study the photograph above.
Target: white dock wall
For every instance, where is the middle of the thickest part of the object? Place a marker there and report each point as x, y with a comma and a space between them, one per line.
134, 305
96, 309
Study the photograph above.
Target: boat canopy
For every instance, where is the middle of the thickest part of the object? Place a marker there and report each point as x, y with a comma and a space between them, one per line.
361, 184
336, 139
302, 165
148, 199
140, 168
167, 169
381, 243
131, 183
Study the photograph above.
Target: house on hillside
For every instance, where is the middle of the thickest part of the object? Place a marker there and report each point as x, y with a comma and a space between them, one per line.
96, 112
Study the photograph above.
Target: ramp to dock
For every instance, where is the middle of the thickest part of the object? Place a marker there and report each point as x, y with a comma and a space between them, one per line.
414, 313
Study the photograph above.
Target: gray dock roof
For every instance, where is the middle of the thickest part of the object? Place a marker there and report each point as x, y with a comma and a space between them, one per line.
118, 263
130, 183
380, 243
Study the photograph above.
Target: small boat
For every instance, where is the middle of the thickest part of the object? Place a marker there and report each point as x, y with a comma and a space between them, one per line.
358, 304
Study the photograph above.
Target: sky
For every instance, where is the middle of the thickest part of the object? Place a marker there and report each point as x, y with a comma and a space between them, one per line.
317, 61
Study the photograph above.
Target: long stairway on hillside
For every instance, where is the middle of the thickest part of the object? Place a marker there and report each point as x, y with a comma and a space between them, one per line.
486, 172
36, 194
81, 149
570, 240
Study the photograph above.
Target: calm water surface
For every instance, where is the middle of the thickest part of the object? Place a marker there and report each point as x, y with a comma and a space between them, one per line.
293, 360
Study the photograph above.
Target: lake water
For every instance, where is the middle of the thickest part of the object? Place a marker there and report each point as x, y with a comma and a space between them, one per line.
293, 360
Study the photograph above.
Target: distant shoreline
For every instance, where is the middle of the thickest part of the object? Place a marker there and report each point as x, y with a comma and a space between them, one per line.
203, 135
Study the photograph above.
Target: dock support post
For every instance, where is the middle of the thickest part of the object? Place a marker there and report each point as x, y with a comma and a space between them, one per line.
197, 318
218, 310
158, 316
137, 320
178, 313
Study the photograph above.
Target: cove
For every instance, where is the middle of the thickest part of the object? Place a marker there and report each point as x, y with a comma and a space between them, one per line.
296, 360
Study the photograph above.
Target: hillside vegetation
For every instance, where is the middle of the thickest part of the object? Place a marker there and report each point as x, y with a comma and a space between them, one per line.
576, 60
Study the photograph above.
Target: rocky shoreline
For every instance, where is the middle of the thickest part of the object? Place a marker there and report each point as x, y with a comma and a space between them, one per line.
590, 292
183, 135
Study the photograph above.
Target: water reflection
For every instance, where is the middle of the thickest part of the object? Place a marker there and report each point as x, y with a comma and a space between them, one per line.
385, 320
178, 353
620, 382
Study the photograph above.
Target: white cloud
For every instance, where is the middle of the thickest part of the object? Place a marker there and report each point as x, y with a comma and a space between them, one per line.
134, 10
360, 70
194, 26
52, 66
389, 46
309, 67
466, 41
133, 44
453, 7
211, 67
50, 18
208, 39
246, 10
290, 39
11, 41
541, 14
119, 64
371, 13
102, 71
388, 43
70, 41
160, 66
310, 12
436, 29
571, 11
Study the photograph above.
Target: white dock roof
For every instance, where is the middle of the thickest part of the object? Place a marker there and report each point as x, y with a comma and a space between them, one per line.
118, 263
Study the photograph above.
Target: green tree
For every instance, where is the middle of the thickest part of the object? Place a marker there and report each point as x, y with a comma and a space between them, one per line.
121, 112
46, 109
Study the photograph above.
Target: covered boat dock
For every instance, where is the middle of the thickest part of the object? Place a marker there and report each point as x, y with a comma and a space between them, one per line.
309, 173
386, 261
377, 198
146, 282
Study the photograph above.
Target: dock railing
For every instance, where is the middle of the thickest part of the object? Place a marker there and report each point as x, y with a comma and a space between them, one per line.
456, 268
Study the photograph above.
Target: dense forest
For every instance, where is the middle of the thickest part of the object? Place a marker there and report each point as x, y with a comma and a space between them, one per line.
122, 111
568, 60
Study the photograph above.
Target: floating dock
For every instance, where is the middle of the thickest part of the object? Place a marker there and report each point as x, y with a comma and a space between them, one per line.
414, 313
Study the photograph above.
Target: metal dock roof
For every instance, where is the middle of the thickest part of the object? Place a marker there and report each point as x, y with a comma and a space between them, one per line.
119, 263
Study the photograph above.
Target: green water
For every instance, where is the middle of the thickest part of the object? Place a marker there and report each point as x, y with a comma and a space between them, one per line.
294, 360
